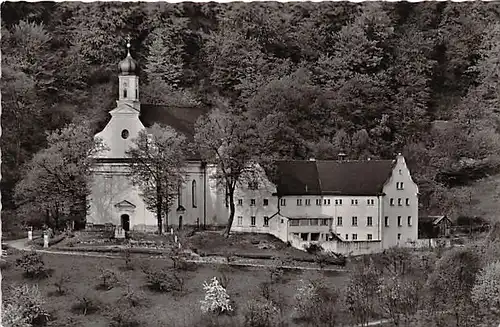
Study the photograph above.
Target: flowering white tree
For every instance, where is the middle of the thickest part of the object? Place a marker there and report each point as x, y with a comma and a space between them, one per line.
216, 298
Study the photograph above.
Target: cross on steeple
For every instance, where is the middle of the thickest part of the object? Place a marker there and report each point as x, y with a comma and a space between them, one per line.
128, 44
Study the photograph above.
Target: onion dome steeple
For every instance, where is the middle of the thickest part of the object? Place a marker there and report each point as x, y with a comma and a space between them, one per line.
128, 66
128, 81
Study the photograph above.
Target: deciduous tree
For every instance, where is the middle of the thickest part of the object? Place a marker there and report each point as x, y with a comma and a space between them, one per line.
361, 292
486, 290
450, 284
158, 156
56, 180
230, 142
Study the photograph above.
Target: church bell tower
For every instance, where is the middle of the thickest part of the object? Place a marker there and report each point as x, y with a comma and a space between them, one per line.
128, 81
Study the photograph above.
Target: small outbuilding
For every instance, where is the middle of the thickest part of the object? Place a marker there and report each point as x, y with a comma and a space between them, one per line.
433, 227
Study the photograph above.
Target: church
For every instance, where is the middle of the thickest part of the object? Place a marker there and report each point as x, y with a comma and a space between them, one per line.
347, 206
114, 200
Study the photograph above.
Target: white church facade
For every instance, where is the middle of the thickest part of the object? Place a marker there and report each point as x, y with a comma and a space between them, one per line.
114, 199
347, 206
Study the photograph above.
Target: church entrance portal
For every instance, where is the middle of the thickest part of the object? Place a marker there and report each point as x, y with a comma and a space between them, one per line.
125, 222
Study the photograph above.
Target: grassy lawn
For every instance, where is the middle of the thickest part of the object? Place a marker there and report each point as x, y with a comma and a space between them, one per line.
204, 243
243, 243
158, 309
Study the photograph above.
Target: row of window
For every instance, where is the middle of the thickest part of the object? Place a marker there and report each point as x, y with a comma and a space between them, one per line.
354, 221
355, 237
253, 221
254, 185
400, 221
338, 202
369, 237
265, 202
400, 202
307, 202
309, 222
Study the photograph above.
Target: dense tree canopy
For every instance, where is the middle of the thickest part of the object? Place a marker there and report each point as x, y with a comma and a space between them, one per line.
369, 79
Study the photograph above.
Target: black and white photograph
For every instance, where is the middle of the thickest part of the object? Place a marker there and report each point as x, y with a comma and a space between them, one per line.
250, 164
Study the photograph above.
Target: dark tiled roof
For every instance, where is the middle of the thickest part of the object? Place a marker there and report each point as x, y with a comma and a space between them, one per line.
333, 177
182, 119
298, 177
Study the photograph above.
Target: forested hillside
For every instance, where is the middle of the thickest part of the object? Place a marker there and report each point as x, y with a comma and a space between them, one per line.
369, 79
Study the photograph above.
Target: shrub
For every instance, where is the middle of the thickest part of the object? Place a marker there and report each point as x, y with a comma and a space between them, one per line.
26, 305
60, 282
316, 304
266, 290
124, 318
86, 304
216, 298
13, 316
33, 265
275, 273
132, 298
108, 279
182, 264
164, 280
127, 258
313, 248
321, 260
259, 313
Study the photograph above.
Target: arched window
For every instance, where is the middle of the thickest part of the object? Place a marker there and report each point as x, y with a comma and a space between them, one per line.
125, 90
193, 193
179, 195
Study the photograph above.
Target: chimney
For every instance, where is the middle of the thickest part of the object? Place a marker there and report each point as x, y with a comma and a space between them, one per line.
342, 156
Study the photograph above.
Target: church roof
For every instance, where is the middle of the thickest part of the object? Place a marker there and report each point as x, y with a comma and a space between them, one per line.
358, 178
182, 119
